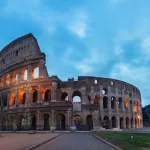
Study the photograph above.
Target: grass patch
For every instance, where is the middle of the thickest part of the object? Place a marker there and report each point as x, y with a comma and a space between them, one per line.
124, 141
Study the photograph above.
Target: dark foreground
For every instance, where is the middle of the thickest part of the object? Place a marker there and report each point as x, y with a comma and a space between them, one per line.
75, 141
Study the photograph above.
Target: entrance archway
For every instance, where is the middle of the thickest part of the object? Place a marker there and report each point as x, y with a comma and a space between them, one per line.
106, 122
127, 123
46, 118
3, 125
121, 123
60, 122
114, 123
11, 122
135, 123
77, 121
33, 122
131, 122
89, 122
21, 122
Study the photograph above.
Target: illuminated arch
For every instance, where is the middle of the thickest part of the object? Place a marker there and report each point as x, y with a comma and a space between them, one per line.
76, 96
46, 94
2, 81
35, 72
14, 76
24, 74
126, 102
12, 99
22, 97
135, 106
34, 96
97, 99
8, 79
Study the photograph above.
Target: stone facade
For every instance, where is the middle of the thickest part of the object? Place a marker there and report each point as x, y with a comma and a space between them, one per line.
31, 99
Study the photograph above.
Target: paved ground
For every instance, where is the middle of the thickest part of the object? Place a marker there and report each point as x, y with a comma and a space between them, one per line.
20, 141
75, 141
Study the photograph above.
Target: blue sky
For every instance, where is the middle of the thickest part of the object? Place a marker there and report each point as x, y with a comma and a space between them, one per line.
106, 38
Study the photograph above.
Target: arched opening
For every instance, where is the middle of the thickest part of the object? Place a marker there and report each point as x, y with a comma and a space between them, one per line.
131, 105
24, 74
3, 125
12, 99
127, 123
47, 95
76, 97
105, 102
4, 98
121, 123
21, 122
2, 81
120, 102
90, 100
8, 79
14, 77
12, 123
114, 122
35, 72
105, 90
77, 121
97, 99
22, 97
113, 99
131, 122
135, 123
126, 103
46, 122
106, 122
64, 96
138, 120
32, 122
60, 122
35, 96
89, 122
135, 106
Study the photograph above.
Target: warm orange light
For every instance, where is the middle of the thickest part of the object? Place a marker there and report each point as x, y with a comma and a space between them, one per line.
12, 99
20, 97
14, 77
126, 102
43, 92
135, 106
8, 79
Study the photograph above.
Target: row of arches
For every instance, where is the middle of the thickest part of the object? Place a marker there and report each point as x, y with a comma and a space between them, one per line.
23, 75
132, 105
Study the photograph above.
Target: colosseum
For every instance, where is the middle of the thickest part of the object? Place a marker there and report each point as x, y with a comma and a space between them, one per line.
30, 99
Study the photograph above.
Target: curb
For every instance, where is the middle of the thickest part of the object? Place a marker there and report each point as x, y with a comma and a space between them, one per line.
37, 145
110, 144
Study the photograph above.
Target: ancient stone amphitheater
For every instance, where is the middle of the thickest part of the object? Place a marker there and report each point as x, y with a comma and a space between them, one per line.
31, 99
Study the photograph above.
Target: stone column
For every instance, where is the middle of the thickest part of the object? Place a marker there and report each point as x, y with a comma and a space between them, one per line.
116, 106
95, 120
27, 98
69, 119
118, 122
19, 75
39, 93
52, 120
54, 91
29, 73
38, 121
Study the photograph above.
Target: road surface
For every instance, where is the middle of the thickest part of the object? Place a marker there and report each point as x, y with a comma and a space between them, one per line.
75, 141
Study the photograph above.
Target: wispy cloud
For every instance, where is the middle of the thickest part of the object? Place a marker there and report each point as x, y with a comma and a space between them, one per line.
79, 24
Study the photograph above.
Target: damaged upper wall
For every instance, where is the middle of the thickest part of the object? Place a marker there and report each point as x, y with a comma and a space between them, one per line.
23, 48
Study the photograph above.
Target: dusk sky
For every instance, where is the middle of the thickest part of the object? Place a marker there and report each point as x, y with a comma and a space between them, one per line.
103, 38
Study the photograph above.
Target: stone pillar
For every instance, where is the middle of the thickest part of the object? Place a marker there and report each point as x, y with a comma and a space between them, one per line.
38, 121
116, 106
69, 119
29, 73
53, 121
19, 75
39, 93
16, 100
27, 98
54, 91
95, 120
118, 122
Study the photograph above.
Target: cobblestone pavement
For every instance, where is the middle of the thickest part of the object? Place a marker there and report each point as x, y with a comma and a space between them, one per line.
20, 141
75, 141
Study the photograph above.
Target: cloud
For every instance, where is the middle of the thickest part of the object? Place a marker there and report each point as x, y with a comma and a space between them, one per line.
138, 76
79, 24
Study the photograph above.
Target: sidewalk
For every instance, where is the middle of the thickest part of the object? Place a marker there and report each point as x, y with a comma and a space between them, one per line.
14, 141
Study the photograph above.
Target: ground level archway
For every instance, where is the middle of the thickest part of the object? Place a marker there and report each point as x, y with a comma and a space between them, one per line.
89, 122
60, 122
